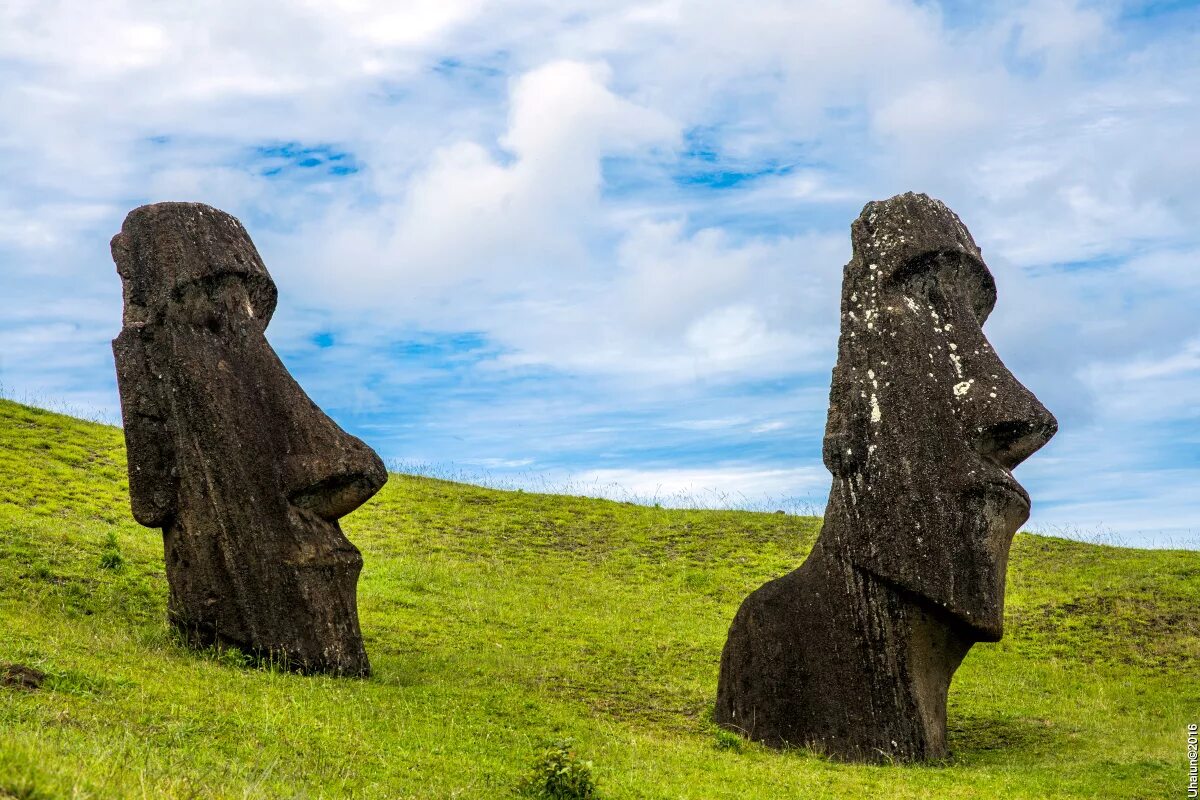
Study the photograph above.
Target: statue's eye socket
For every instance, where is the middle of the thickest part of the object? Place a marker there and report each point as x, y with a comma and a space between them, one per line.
952, 272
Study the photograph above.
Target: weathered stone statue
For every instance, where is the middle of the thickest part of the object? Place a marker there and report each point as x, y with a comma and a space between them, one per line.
244, 474
852, 653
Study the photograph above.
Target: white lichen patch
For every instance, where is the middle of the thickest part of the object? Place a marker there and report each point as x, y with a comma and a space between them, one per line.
876, 412
953, 346
957, 362
961, 389
912, 304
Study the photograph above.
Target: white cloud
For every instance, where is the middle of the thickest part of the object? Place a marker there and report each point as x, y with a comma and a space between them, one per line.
715, 487
935, 110
412, 23
1057, 28
473, 216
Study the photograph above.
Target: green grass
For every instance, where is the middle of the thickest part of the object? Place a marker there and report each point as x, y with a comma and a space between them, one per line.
501, 622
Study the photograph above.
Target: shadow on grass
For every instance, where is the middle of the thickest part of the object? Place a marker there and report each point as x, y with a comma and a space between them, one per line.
973, 736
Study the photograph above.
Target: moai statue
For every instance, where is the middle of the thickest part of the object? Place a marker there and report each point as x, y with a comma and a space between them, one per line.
852, 653
244, 474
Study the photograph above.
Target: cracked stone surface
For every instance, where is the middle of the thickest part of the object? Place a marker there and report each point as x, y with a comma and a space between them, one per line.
244, 474
852, 653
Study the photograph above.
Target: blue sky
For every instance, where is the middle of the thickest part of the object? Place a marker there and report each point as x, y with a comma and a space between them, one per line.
596, 246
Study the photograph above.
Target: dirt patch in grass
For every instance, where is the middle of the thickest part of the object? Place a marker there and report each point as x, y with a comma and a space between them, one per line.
1153, 632
660, 710
20, 676
21, 792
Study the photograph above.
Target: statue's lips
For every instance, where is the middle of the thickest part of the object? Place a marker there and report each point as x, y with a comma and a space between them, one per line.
1011, 488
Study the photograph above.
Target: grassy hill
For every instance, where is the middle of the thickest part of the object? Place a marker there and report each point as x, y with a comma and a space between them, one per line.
498, 622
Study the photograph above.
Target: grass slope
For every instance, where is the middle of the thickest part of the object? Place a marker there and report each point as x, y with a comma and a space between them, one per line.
500, 621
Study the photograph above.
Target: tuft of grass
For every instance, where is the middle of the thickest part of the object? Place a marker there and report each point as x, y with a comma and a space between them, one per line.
728, 740
498, 621
110, 556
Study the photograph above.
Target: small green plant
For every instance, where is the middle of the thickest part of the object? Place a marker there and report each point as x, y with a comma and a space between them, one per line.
110, 556
561, 775
728, 740
230, 656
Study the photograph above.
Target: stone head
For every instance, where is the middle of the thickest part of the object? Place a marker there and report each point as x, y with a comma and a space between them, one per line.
194, 270
925, 422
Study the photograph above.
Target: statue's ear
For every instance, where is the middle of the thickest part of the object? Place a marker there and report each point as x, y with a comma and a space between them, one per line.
153, 477
844, 449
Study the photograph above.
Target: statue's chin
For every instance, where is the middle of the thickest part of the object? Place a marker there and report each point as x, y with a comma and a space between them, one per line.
984, 628
1002, 507
975, 619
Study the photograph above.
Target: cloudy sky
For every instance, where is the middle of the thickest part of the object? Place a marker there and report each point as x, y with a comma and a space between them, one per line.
597, 245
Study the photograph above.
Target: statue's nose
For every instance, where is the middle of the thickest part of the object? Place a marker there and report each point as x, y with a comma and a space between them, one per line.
326, 470
1012, 425
333, 480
